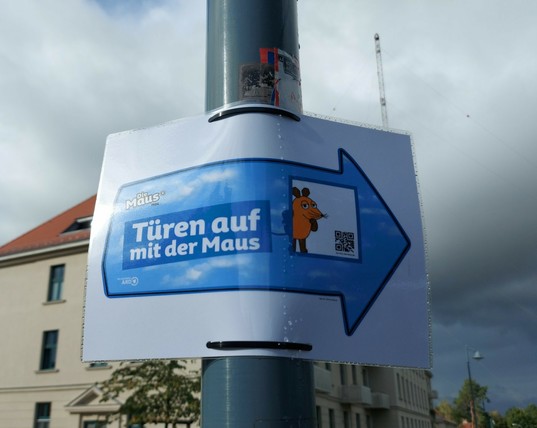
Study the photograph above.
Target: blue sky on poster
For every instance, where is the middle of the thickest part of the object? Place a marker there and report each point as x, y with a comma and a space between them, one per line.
459, 76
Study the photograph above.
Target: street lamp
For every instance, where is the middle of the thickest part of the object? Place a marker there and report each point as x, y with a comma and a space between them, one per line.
477, 356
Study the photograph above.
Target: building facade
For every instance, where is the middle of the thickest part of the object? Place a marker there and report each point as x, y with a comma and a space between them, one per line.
42, 280
353, 396
43, 382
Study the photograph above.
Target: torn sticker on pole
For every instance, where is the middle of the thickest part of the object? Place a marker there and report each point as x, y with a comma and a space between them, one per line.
275, 80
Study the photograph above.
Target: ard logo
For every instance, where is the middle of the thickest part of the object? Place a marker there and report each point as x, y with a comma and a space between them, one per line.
130, 281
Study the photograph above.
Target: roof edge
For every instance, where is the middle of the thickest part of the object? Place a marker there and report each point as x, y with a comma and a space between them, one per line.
44, 250
51, 230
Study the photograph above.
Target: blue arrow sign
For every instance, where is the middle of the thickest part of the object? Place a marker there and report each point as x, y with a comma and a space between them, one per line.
255, 224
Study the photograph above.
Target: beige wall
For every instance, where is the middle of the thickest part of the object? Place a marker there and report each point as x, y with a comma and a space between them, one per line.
17, 407
24, 316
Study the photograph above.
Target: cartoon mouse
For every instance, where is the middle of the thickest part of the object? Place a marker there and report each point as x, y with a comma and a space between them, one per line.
305, 216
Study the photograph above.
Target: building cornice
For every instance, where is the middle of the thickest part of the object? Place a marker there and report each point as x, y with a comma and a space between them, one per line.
26, 256
33, 388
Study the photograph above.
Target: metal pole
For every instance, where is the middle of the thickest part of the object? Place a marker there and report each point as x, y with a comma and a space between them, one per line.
472, 397
240, 36
245, 38
257, 392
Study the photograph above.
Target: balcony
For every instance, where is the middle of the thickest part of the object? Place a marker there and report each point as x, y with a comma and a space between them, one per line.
355, 394
380, 401
323, 379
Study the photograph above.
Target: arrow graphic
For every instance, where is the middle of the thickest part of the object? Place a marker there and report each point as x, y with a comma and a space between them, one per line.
255, 224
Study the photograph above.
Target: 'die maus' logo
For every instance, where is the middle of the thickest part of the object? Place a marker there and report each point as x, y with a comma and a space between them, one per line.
143, 198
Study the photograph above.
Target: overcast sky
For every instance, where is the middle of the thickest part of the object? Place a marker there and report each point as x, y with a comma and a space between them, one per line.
460, 75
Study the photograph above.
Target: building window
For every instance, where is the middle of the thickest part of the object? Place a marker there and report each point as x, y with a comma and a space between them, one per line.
368, 421
94, 424
331, 418
399, 393
42, 415
354, 375
365, 377
358, 420
319, 415
346, 419
83, 223
48, 351
343, 374
55, 283
98, 365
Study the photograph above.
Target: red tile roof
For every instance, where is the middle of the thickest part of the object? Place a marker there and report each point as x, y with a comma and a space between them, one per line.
50, 233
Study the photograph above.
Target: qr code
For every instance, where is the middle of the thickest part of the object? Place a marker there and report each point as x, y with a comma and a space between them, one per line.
344, 242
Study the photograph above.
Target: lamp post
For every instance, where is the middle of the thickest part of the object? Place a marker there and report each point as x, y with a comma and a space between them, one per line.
477, 356
246, 391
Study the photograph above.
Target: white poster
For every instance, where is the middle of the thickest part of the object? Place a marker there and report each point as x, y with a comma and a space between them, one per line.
258, 235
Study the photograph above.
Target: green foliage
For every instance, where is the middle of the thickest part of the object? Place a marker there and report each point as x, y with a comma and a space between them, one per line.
154, 392
445, 409
523, 418
497, 420
462, 404
514, 417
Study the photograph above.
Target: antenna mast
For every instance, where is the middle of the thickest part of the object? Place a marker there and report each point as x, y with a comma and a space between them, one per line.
380, 74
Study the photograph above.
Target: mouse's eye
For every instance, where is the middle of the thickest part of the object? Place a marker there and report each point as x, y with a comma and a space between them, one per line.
305, 205
313, 205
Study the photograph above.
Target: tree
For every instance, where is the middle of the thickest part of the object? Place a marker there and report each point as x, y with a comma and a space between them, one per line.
531, 413
462, 404
523, 418
445, 410
156, 391
497, 420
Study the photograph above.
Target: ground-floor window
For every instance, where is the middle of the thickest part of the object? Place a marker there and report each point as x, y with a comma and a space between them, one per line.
346, 420
94, 424
42, 415
319, 415
331, 418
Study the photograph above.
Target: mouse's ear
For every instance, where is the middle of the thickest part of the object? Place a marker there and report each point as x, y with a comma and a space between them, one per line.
305, 191
296, 192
